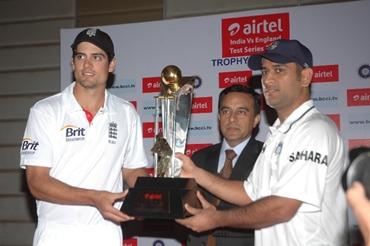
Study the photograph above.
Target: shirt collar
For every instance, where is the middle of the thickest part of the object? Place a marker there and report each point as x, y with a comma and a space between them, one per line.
71, 103
292, 118
238, 148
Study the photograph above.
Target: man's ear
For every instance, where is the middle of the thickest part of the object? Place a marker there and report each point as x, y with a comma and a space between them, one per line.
306, 76
256, 120
72, 65
112, 65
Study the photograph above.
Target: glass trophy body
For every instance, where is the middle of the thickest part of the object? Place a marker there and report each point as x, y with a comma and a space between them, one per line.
173, 107
164, 195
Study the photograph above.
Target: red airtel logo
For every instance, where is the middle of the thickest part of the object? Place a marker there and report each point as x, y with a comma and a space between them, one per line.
226, 79
358, 97
151, 84
148, 129
245, 36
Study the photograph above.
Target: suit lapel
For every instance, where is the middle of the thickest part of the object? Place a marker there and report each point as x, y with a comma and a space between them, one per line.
212, 159
245, 162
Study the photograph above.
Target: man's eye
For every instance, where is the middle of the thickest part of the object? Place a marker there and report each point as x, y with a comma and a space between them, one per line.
242, 112
97, 58
80, 57
225, 111
278, 70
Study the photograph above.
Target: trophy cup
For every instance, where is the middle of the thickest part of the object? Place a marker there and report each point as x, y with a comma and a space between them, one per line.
174, 105
164, 195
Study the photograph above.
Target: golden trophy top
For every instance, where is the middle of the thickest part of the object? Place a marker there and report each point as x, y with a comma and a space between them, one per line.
171, 80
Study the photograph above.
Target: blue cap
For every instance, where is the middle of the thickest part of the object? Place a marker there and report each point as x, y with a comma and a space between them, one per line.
283, 51
96, 37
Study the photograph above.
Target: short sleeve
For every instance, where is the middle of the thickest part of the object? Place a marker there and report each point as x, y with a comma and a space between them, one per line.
36, 148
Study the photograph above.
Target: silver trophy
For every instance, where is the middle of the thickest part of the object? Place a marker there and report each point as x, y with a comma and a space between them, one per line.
164, 195
173, 109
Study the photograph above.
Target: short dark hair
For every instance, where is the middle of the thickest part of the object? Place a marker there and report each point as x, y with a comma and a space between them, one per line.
242, 89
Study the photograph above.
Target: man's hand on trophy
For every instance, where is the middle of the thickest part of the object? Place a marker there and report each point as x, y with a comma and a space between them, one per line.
202, 219
104, 201
188, 167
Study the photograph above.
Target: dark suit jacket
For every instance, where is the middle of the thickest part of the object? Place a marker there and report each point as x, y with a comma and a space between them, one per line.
207, 159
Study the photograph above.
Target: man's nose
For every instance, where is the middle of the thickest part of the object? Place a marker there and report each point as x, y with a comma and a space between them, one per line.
267, 79
87, 62
232, 116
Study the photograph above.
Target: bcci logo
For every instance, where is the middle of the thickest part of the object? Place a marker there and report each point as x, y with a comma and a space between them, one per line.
197, 82
273, 45
364, 71
158, 243
278, 149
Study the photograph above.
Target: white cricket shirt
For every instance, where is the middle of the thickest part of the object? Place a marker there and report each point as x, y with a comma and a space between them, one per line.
303, 158
83, 155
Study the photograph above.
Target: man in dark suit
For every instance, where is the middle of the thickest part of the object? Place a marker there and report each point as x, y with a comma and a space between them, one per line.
238, 116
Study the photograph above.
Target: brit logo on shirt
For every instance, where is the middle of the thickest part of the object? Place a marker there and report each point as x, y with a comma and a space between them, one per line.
74, 133
112, 133
29, 146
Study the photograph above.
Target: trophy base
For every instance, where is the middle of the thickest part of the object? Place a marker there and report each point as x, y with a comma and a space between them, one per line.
161, 198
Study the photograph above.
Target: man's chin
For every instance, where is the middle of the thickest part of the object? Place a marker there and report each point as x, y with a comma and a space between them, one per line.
232, 132
232, 137
271, 104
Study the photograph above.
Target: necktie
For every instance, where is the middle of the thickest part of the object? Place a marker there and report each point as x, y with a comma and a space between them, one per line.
227, 168
228, 165
225, 173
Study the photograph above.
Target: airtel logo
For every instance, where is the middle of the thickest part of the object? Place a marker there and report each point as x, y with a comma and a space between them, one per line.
353, 143
358, 97
130, 242
202, 105
151, 84
149, 130
191, 148
225, 79
256, 27
245, 36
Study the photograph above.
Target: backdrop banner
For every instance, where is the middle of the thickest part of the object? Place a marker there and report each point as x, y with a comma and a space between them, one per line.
216, 49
